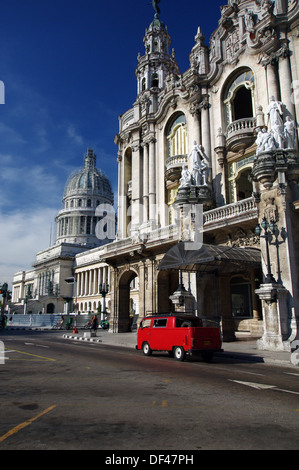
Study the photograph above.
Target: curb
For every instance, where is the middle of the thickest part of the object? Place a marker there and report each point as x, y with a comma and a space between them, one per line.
81, 338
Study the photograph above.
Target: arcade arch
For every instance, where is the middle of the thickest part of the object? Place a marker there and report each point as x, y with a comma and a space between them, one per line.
125, 299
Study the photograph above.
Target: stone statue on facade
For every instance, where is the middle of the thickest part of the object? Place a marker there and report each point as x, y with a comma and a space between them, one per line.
186, 179
265, 141
196, 174
275, 114
199, 166
290, 133
156, 7
249, 21
282, 134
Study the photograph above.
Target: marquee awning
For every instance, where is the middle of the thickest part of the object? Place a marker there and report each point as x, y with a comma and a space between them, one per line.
210, 258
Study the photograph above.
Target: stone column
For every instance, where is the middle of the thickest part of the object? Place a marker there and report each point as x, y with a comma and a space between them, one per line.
272, 81
285, 79
142, 290
152, 181
78, 281
145, 184
136, 213
86, 283
82, 283
275, 315
114, 293
122, 197
150, 287
205, 128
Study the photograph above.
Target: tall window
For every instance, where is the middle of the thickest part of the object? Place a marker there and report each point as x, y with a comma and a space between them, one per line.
177, 137
239, 98
155, 80
176, 157
239, 184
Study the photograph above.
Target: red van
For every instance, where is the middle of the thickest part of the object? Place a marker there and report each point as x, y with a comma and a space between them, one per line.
179, 335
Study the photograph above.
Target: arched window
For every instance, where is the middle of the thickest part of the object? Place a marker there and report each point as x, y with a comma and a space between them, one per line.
239, 184
177, 137
242, 104
176, 153
239, 98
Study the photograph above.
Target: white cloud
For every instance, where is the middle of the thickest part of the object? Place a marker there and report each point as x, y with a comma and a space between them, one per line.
22, 235
73, 135
30, 185
30, 196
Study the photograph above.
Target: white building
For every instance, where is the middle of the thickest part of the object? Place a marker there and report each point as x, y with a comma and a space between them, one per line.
44, 289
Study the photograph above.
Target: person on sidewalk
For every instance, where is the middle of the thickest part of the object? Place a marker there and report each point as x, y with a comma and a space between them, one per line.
94, 323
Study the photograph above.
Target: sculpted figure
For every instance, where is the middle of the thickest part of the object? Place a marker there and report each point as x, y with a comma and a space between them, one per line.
204, 172
249, 23
275, 114
196, 174
200, 167
196, 153
186, 179
265, 141
156, 7
262, 137
290, 133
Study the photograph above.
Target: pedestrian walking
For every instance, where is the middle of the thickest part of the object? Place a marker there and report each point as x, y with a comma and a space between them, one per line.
94, 323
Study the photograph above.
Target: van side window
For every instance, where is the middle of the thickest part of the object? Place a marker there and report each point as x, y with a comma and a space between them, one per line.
187, 322
161, 323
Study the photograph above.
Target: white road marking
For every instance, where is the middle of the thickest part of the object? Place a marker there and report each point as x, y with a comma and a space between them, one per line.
263, 386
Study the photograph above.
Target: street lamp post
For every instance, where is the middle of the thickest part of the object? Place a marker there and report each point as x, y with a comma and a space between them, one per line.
103, 289
267, 236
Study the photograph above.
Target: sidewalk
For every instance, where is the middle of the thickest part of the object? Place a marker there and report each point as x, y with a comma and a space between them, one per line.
244, 349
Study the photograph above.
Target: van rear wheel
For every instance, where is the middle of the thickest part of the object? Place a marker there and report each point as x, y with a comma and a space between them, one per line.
146, 349
179, 353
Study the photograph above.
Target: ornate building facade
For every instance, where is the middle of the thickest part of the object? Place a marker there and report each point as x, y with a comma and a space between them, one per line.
209, 156
221, 136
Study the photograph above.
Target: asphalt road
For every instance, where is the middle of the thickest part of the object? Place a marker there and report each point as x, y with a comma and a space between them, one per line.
59, 394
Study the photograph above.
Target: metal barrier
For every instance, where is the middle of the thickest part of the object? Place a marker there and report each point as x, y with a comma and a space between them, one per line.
48, 320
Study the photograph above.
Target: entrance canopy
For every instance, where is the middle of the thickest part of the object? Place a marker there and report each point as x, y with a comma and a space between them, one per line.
210, 258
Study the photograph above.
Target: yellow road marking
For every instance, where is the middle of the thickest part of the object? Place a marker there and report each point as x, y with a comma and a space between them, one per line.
35, 355
164, 403
25, 424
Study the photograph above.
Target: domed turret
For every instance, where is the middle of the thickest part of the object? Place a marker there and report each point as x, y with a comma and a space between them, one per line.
157, 62
85, 190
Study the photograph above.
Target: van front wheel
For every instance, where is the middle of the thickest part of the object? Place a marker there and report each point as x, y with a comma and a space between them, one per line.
146, 349
179, 353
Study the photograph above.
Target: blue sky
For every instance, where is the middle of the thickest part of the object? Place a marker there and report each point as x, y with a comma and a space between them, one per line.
68, 67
